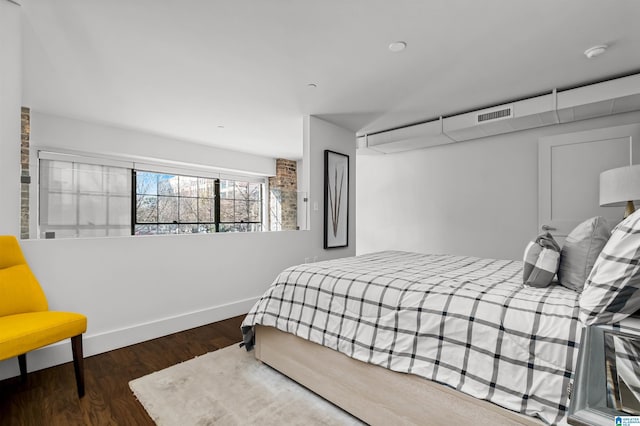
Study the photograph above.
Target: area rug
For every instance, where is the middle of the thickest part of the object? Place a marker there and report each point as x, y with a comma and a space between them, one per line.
230, 387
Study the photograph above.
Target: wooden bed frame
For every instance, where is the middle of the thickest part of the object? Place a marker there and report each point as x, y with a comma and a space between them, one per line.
374, 394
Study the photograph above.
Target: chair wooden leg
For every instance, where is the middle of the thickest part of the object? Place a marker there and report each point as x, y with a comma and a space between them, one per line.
78, 363
22, 362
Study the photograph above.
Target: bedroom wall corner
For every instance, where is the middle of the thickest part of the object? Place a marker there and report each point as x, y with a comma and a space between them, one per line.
10, 116
318, 136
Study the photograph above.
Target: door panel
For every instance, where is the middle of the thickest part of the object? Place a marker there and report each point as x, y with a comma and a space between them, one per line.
569, 168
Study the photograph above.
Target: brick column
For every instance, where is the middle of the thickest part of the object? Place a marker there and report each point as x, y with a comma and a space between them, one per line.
283, 197
25, 179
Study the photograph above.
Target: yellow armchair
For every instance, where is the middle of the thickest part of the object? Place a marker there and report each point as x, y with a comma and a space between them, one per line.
26, 323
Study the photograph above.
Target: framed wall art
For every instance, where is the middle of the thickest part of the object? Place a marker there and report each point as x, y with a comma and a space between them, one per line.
336, 200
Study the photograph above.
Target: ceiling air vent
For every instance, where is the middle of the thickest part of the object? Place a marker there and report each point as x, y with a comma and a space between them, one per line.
524, 114
494, 115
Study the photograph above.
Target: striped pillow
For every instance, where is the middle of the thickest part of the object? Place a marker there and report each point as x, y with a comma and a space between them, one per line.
610, 293
541, 261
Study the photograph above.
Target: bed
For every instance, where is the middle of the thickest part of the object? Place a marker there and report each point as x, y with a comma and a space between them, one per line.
366, 331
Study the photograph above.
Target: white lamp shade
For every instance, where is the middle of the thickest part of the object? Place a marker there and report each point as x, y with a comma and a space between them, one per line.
617, 186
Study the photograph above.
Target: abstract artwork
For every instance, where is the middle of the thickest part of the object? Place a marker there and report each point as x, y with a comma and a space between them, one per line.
336, 199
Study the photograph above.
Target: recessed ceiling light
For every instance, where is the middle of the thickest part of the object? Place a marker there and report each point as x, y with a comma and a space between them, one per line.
594, 51
397, 46
312, 85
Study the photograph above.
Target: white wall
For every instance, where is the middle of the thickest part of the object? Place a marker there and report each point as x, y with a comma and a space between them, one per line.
477, 198
10, 103
137, 288
50, 131
320, 136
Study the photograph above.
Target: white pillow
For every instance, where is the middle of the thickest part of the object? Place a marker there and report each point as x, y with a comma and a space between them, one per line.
580, 251
611, 291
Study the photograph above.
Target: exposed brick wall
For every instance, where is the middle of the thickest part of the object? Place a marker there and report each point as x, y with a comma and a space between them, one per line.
24, 162
283, 200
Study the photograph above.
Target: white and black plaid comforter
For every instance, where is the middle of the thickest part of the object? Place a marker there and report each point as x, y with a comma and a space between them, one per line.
462, 321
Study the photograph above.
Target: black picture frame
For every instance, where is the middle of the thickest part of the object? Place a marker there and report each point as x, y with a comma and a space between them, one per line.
336, 199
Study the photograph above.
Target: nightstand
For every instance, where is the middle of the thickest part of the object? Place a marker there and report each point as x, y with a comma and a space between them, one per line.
607, 379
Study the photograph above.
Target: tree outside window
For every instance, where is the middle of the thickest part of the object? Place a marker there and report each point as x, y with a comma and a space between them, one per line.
176, 204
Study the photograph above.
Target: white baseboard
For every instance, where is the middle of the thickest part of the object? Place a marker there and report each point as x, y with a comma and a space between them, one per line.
60, 353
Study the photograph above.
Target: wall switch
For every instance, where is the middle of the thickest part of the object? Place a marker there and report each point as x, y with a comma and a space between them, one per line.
315, 206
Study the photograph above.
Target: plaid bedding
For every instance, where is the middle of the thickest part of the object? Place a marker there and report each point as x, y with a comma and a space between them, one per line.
462, 321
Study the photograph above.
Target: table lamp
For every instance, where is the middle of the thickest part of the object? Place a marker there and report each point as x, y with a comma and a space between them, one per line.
619, 187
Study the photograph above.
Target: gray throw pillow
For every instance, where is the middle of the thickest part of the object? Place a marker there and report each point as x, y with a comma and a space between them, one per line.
580, 251
541, 260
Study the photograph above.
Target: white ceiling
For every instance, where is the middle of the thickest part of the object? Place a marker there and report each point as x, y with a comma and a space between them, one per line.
182, 68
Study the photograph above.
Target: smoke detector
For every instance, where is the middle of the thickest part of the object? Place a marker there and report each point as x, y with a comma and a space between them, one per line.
594, 51
397, 46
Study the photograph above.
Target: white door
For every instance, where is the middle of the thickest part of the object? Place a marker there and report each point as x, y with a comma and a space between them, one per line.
569, 168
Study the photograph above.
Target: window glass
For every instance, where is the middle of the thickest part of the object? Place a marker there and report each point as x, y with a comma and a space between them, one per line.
184, 204
188, 210
255, 191
240, 206
206, 212
146, 183
206, 188
189, 186
226, 211
241, 190
226, 189
168, 209
146, 208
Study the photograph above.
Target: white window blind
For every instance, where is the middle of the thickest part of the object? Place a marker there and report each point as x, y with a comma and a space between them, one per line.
83, 200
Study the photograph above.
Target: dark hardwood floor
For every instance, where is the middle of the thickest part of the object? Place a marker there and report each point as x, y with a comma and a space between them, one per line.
49, 396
